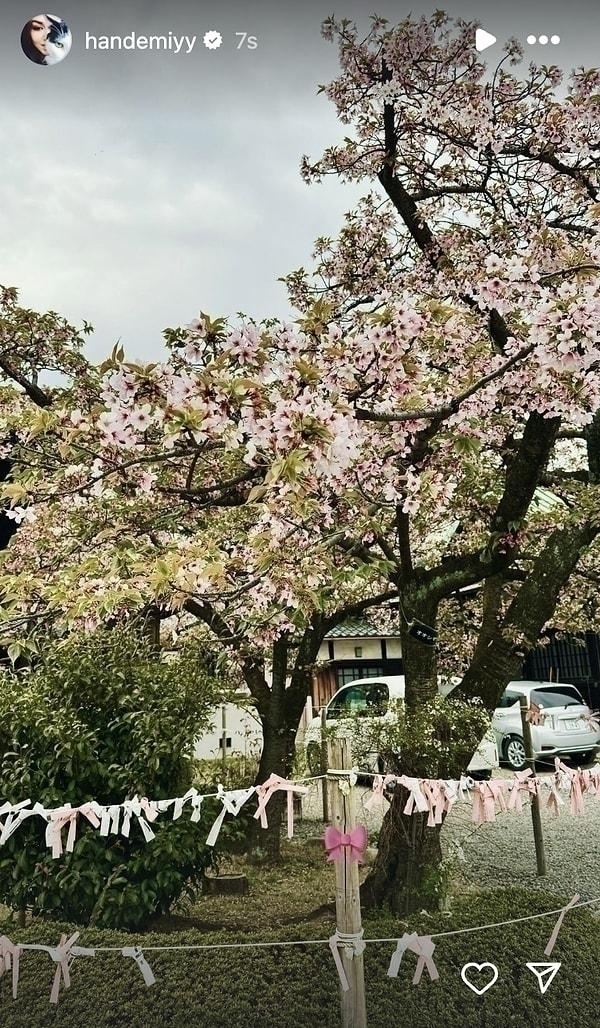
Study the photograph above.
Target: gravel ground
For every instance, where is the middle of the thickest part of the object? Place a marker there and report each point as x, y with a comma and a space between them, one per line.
502, 852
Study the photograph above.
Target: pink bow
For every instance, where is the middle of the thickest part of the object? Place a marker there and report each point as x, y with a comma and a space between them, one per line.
67, 815
273, 784
354, 842
485, 797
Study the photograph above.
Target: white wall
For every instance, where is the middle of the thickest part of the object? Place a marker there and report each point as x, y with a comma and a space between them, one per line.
343, 649
241, 726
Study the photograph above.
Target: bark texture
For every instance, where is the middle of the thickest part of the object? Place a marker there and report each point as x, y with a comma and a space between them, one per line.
406, 873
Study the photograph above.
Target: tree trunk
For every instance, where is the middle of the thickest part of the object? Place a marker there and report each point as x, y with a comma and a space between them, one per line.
279, 709
406, 873
277, 757
419, 660
494, 665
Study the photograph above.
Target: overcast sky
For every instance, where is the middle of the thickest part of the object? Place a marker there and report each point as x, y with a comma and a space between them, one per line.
137, 188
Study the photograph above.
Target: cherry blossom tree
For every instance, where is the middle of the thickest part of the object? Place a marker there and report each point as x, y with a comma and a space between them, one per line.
486, 202
266, 478
137, 495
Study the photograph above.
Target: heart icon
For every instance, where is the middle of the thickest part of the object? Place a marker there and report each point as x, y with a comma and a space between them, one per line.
480, 967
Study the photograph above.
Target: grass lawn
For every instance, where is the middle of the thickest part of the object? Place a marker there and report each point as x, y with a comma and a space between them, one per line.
280, 987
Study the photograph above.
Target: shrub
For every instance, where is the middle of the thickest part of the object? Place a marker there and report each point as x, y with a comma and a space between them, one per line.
435, 741
101, 718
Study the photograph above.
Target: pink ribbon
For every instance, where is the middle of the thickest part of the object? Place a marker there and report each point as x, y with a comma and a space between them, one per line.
434, 797
593, 720
575, 791
9, 958
379, 784
272, 785
555, 800
535, 715
353, 842
59, 817
525, 781
486, 796
423, 946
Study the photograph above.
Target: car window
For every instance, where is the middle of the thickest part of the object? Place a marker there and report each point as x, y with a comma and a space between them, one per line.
369, 700
378, 696
507, 700
566, 696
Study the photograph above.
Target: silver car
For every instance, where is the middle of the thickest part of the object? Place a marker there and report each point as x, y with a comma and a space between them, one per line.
564, 728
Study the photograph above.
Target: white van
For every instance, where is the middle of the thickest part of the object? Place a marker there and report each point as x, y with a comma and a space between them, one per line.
377, 697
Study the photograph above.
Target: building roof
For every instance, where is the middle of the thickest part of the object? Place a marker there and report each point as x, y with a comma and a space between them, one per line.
361, 628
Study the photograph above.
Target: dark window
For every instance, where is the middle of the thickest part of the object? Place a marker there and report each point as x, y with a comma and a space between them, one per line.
566, 696
368, 700
507, 700
350, 674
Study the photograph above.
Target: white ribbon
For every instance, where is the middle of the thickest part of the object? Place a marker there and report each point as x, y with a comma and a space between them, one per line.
138, 807
110, 819
232, 801
17, 815
353, 944
9, 959
63, 955
137, 953
401, 948
416, 797
423, 946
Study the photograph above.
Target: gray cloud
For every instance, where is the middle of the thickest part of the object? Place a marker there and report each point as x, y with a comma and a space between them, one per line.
138, 188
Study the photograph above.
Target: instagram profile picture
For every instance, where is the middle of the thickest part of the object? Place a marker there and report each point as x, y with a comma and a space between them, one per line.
46, 39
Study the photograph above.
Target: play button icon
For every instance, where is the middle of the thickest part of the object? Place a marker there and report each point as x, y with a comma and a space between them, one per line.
483, 39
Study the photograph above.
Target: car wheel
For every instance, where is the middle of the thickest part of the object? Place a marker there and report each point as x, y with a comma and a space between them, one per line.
514, 752
584, 758
313, 758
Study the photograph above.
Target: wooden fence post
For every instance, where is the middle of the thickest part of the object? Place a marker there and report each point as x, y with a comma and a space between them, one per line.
536, 817
347, 890
324, 757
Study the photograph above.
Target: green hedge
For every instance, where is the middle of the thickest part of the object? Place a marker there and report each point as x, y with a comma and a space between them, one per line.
100, 718
297, 987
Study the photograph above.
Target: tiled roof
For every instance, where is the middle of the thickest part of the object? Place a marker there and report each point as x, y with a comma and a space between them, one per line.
359, 628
